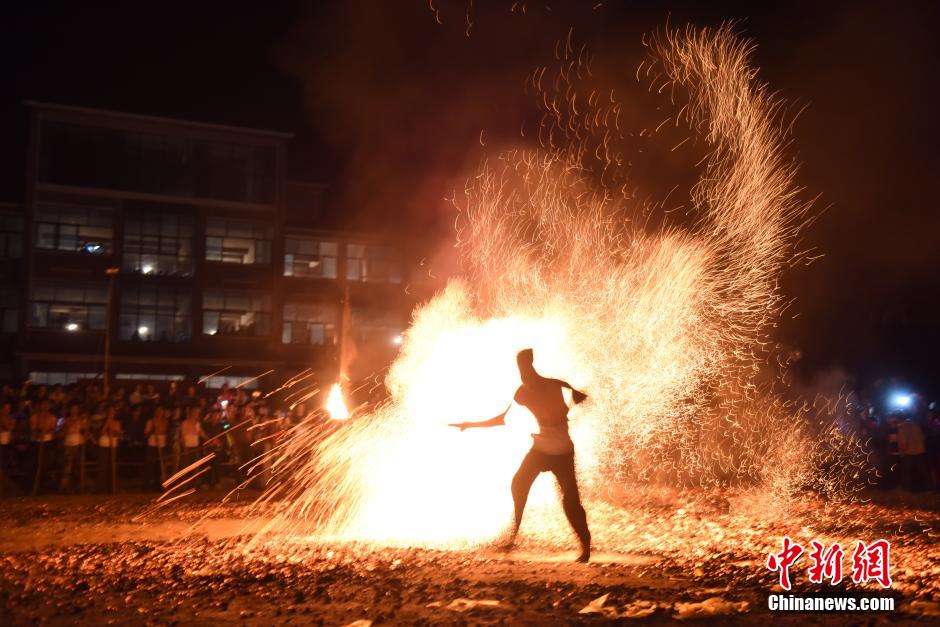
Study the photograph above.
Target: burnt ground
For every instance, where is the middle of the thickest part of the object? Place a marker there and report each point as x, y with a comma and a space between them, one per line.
85, 559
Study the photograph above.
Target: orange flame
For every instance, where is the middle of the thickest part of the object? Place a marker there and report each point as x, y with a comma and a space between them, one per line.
335, 404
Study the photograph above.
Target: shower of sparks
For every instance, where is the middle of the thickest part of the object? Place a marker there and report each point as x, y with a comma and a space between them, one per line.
666, 327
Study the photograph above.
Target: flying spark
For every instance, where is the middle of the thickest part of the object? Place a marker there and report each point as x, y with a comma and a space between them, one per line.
665, 325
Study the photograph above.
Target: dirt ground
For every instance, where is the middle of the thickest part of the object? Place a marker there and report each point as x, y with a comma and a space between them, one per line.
85, 559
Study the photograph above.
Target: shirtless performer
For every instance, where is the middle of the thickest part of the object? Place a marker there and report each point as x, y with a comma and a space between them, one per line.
552, 448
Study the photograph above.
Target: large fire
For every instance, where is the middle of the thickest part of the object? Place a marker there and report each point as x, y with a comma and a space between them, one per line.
665, 328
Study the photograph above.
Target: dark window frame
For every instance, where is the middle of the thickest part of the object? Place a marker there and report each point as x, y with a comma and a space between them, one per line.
261, 237
52, 219
231, 317
156, 163
170, 310
373, 325
81, 311
138, 236
9, 310
13, 229
320, 320
370, 263
297, 261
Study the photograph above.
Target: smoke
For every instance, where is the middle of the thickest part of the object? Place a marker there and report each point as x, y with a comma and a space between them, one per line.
665, 323
410, 105
403, 100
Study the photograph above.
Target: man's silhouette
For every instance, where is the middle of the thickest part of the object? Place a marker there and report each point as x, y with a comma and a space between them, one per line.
552, 448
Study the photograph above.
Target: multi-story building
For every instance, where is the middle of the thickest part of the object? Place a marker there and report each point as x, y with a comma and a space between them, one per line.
173, 247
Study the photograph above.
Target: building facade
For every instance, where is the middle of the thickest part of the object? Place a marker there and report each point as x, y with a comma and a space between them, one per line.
171, 247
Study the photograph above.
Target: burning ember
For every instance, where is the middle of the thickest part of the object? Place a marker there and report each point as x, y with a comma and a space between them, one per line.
665, 326
335, 404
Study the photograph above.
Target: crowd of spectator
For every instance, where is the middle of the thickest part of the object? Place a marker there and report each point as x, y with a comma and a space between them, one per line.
904, 444
77, 438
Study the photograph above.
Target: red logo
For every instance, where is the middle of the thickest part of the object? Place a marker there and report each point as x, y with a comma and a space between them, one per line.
871, 562
827, 564
784, 559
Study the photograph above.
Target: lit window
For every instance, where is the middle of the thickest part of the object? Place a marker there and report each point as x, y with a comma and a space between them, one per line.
68, 306
375, 326
229, 312
215, 382
74, 229
134, 376
310, 258
155, 314
372, 263
231, 241
61, 378
159, 244
309, 324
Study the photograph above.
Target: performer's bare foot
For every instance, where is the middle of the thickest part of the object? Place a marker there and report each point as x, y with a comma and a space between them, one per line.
585, 551
507, 542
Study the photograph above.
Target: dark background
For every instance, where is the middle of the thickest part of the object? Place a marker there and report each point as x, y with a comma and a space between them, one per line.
387, 105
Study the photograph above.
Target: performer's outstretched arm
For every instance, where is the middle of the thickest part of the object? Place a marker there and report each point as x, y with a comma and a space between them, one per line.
495, 421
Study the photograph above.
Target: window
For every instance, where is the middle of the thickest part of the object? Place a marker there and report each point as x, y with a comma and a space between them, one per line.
74, 229
158, 244
310, 258
230, 241
236, 313
134, 376
11, 236
235, 172
9, 311
68, 306
372, 263
155, 314
215, 382
88, 156
309, 324
61, 378
374, 326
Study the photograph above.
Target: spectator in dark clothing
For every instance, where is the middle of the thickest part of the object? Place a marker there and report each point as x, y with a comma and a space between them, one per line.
132, 423
933, 444
151, 397
215, 432
171, 400
191, 398
242, 437
911, 446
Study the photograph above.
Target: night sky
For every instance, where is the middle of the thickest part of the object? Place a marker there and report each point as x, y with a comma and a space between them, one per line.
387, 106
